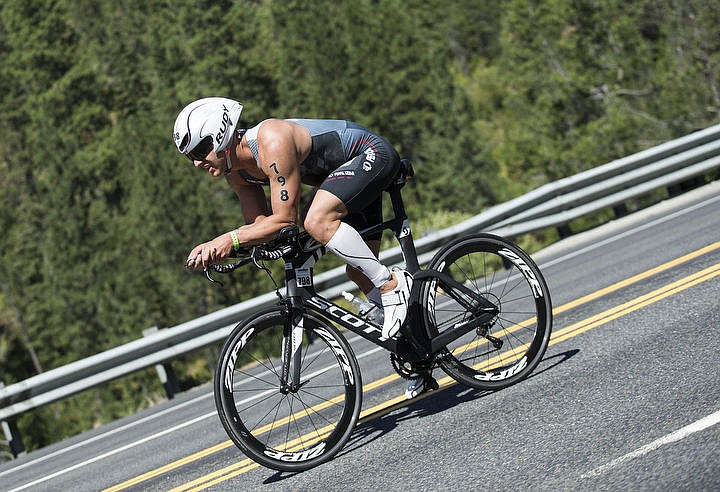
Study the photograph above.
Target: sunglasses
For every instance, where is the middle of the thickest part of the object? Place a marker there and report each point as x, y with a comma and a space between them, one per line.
201, 150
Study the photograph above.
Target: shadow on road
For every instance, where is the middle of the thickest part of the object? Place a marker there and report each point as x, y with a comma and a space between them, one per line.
430, 403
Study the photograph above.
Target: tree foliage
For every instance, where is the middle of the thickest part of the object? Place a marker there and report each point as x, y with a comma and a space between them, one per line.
489, 99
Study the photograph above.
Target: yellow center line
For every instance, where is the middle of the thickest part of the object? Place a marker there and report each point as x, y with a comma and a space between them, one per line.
637, 303
636, 278
388, 406
447, 382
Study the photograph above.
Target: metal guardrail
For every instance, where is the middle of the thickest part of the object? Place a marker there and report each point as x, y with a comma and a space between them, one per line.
551, 205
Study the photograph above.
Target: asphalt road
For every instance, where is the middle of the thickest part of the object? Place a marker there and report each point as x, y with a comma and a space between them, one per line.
627, 397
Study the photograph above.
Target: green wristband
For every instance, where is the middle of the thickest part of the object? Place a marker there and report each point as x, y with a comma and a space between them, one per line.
236, 241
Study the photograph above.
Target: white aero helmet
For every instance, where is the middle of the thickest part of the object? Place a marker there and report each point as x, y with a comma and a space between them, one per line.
204, 125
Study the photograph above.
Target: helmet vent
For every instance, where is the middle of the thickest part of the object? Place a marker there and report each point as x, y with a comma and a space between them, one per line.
185, 141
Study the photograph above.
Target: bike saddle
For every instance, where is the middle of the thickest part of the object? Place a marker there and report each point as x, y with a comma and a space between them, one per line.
405, 171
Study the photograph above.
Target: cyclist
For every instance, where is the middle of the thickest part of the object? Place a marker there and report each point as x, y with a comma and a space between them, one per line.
350, 164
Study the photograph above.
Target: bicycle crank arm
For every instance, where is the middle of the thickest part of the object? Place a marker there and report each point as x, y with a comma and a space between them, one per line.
450, 335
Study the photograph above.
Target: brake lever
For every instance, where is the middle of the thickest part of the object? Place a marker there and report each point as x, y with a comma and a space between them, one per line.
212, 280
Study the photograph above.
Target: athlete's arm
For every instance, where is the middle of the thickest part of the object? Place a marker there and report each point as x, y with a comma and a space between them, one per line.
281, 148
254, 207
252, 197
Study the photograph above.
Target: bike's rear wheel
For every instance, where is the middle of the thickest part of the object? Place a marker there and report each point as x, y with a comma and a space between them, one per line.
280, 429
507, 348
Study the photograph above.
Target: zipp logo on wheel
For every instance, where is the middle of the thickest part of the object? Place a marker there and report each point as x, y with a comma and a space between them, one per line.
303, 456
499, 376
525, 269
233, 358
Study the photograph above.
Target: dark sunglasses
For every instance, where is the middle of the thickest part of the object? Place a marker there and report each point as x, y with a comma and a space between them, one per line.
201, 150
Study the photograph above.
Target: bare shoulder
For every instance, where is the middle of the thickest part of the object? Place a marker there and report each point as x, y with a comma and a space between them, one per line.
279, 134
272, 129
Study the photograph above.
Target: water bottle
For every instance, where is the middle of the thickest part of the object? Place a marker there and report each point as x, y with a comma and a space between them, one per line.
366, 309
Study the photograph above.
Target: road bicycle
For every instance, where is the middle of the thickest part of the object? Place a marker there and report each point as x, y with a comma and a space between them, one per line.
288, 387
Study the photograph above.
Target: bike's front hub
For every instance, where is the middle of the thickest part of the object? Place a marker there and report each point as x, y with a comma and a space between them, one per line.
286, 388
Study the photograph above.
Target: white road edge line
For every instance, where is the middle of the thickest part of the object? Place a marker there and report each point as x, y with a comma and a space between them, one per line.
629, 232
113, 452
679, 434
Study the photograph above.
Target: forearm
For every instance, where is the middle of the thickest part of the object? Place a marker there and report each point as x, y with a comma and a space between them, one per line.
260, 231
253, 204
264, 229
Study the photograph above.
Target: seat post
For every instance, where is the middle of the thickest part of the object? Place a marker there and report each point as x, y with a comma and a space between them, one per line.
404, 234
397, 202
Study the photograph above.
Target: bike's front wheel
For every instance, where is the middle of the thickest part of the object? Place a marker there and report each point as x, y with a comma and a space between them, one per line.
505, 349
273, 425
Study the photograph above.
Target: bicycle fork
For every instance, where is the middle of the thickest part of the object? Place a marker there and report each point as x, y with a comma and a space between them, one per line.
291, 349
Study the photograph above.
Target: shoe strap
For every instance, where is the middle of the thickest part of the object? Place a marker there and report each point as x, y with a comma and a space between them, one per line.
390, 299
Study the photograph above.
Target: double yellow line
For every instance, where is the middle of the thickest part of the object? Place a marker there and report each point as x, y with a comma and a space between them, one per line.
558, 336
635, 304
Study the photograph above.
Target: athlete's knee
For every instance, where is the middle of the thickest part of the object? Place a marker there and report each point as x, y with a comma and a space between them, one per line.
323, 216
313, 223
320, 226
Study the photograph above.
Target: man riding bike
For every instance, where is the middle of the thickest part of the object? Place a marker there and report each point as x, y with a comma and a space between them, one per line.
351, 166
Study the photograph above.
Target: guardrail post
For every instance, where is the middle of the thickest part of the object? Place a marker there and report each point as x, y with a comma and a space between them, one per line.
687, 185
620, 210
564, 231
12, 435
165, 371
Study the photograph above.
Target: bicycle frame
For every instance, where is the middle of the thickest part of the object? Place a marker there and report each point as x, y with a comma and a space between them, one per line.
414, 345
481, 287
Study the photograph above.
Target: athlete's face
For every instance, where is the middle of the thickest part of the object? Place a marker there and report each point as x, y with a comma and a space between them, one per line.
215, 163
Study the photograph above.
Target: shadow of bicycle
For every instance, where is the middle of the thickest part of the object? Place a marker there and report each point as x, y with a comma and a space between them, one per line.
375, 426
432, 403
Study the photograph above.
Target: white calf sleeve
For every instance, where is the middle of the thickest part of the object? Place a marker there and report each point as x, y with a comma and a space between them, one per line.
349, 245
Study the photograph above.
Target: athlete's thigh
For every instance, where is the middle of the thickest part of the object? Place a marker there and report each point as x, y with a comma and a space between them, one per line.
327, 205
357, 183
